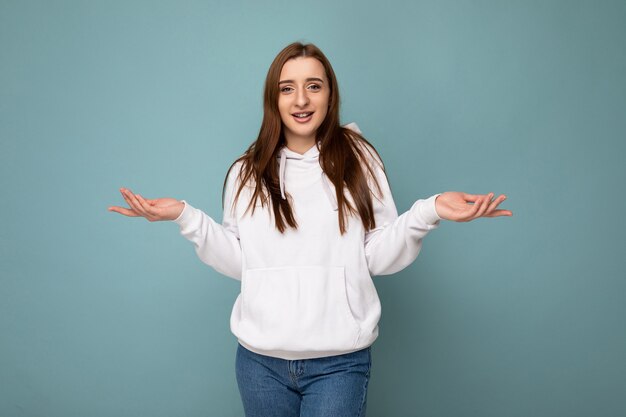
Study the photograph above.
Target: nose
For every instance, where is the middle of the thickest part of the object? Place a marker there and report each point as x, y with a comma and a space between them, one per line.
302, 99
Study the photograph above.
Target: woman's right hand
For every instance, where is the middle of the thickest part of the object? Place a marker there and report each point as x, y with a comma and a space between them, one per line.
158, 209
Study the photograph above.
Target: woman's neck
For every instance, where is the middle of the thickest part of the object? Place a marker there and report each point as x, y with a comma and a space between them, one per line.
300, 145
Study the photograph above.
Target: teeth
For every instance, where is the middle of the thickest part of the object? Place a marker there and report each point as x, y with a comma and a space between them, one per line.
302, 114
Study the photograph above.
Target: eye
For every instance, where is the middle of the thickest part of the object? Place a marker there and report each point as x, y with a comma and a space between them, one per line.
285, 89
315, 87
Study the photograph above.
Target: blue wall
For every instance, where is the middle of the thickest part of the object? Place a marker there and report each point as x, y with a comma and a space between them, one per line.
104, 315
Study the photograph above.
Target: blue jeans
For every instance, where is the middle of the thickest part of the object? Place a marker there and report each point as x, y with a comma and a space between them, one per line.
333, 386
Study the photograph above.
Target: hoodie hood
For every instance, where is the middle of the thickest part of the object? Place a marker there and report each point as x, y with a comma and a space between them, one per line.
306, 161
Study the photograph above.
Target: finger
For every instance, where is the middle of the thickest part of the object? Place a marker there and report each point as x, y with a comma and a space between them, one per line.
495, 203
478, 205
124, 211
126, 198
133, 203
146, 206
497, 213
484, 205
471, 211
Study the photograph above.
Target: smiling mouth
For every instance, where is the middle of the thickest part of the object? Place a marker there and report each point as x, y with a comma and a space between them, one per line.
302, 115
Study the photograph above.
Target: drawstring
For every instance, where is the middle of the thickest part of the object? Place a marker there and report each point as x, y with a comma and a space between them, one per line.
281, 174
332, 198
326, 182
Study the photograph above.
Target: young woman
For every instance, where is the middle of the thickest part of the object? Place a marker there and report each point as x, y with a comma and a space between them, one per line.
308, 220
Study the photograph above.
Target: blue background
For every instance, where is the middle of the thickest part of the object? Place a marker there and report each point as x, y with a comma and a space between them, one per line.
105, 315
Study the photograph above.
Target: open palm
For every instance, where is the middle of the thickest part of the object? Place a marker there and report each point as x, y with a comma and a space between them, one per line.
454, 205
157, 209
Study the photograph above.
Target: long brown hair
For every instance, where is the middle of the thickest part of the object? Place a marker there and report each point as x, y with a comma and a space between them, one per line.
342, 152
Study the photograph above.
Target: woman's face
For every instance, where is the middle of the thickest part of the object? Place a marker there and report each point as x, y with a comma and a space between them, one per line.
303, 91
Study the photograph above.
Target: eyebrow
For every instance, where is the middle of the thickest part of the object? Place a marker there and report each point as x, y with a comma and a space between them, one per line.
308, 79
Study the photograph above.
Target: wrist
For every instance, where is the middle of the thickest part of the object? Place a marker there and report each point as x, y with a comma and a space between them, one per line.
428, 211
180, 206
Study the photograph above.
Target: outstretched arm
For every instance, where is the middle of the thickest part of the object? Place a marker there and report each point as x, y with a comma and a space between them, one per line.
217, 245
397, 240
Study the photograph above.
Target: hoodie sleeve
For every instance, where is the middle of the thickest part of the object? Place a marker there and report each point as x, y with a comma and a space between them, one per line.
217, 245
397, 240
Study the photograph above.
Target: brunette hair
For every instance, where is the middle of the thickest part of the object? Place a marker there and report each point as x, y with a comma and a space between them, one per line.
345, 155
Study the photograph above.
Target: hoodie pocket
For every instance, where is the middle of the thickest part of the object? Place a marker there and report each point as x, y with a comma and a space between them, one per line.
302, 308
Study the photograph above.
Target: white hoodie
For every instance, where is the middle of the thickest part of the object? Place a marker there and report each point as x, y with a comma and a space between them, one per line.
307, 293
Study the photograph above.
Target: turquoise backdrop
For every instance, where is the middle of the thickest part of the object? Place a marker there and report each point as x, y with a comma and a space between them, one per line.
105, 315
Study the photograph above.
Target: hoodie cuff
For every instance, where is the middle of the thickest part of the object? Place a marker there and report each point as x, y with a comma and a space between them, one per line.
428, 212
184, 215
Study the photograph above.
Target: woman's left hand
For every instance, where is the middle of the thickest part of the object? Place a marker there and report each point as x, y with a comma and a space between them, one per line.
454, 205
